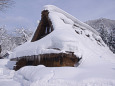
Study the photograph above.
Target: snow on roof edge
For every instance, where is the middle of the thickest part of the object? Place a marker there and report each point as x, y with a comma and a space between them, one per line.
76, 21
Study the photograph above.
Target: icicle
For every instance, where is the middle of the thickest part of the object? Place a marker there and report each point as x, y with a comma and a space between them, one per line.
35, 56
28, 58
49, 55
46, 30
32, 58
50, 30
25, 57
62, 55
39, 58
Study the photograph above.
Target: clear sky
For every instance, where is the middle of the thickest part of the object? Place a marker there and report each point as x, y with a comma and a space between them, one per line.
25, 13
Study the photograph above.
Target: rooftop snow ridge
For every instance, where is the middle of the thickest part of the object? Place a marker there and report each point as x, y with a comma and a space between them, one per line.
52, 8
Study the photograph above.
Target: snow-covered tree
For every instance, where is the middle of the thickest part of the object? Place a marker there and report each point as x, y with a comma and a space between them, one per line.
25, 34
10, 41
106, 28
112, 40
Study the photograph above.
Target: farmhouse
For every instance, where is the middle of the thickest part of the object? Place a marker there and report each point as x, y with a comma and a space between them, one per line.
55, 42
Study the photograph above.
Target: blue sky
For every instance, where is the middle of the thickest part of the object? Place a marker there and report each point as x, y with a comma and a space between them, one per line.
25, 13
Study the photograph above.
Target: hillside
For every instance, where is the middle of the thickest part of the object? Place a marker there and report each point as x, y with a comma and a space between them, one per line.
106, 28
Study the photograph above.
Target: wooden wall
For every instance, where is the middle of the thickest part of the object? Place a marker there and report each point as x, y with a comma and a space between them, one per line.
49, 60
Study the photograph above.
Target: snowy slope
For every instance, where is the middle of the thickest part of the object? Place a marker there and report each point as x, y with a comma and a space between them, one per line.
97, 66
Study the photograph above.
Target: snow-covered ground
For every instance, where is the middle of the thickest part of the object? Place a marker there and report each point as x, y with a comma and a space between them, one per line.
101, 74
6, 75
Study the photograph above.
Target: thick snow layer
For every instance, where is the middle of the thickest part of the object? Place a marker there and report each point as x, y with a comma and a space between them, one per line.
52, 8
6, 75
95, 75
100, 74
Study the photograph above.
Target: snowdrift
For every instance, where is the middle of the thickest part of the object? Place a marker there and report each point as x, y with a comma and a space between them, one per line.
66, 76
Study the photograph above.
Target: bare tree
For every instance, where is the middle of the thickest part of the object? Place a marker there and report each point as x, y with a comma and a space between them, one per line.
5, 4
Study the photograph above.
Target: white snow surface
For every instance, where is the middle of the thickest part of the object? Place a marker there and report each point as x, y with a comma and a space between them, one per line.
94, 75
80, 24
6, 75
97, 66
100, 74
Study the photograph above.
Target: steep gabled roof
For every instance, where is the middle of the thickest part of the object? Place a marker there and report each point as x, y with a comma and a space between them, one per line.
53, 15
54, 9
44, 27
59, 32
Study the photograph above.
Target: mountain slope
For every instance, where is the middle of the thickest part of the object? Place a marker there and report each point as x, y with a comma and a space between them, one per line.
106, 28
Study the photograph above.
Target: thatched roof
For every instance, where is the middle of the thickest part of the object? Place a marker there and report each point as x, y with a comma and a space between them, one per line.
44, 27
59, 32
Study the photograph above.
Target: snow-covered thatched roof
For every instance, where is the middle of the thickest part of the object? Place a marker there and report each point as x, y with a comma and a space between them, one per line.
68, 35
68, 18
